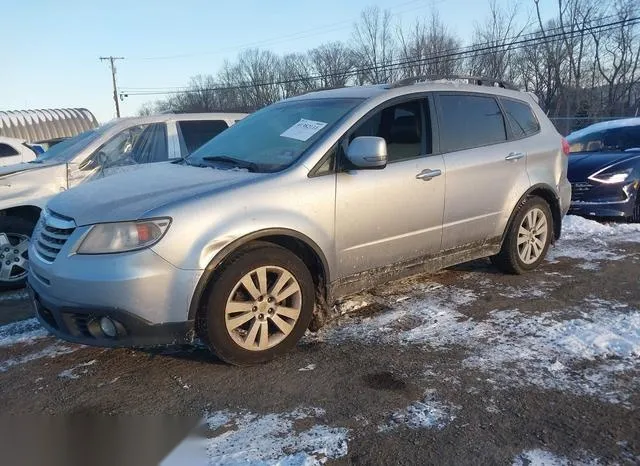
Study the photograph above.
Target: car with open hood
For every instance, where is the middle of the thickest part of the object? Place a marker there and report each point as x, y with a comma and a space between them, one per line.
124, 144
604, 170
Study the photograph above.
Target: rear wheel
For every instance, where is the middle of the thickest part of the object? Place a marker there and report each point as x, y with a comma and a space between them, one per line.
15, 234
528, 238
259, 305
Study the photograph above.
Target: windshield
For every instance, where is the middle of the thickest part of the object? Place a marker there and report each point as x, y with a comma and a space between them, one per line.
66, 150
274, 137
616, 139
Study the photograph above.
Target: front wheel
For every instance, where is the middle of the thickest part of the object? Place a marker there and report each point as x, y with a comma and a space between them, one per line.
15, 234
258, 306
527, 241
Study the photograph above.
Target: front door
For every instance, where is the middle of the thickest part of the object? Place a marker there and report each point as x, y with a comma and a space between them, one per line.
394, 214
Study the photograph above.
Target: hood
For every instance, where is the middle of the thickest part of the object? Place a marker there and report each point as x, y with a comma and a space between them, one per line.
128, 196
584, 164
17, 168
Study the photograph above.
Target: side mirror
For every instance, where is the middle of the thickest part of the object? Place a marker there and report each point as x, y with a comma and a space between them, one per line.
368, 152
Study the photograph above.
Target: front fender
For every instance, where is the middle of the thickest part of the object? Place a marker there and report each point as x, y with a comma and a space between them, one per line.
32, 187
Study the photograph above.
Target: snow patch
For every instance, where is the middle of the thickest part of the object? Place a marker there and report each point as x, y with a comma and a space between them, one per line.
24, 331
14, 295
309, 367
575, 227
72, 374
426, 414
51, 351
273, 439
546, 458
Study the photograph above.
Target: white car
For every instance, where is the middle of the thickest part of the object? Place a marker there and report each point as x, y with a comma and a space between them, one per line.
121, 145
14, 151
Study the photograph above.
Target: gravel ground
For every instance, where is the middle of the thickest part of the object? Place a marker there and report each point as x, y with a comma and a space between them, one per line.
467, 366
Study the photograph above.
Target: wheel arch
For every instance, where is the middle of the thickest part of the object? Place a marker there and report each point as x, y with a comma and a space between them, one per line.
27, 212
547, 193
298, 243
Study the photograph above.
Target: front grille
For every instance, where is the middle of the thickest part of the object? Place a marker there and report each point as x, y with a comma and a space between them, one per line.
80, 324
52, 232
580, 190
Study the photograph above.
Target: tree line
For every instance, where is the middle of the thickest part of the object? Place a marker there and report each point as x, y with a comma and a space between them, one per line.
582, 64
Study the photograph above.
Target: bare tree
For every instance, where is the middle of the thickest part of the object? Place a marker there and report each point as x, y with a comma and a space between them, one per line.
333, 63
424, 50
374, 46
295, 71
495, 39
617, 57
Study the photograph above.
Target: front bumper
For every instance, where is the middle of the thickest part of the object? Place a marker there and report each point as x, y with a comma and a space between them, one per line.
596, 200
82, 325
145, 295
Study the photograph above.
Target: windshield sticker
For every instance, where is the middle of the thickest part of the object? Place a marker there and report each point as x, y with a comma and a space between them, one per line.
303, 129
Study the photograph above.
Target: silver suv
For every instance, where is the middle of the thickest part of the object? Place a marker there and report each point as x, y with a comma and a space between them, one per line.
259, 231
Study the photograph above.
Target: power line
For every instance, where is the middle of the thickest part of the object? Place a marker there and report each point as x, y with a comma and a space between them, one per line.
457, 54
111, 60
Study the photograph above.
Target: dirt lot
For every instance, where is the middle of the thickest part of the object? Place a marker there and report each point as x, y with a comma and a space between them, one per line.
467, 366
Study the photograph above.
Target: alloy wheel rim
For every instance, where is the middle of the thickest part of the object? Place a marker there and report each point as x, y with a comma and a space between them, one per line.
532, 236
14, 260
263, 308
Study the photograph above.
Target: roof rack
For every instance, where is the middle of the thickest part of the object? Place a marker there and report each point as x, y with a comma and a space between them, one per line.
477, 80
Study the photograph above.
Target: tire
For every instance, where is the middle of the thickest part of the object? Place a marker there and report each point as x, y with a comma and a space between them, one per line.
511, 258
228, 298
14, 231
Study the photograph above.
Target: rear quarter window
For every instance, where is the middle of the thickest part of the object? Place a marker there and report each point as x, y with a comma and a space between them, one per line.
522, 120
468, 121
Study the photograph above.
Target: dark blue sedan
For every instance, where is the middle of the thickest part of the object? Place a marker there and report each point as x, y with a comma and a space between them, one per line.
604, 170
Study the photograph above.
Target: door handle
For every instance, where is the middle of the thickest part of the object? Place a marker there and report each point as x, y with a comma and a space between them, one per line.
426, 175
514, 156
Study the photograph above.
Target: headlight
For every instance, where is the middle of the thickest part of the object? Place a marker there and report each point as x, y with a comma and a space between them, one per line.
611, 177
106, 238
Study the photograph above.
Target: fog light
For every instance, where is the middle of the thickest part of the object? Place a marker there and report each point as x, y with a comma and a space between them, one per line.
108, 327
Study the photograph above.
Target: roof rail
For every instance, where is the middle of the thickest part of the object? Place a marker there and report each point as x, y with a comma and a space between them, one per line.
477, 80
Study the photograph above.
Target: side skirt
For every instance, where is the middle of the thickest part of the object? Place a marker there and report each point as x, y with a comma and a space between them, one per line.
426, 264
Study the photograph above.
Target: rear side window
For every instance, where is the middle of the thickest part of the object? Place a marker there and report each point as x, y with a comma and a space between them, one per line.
7, 151
521, 118
196, 133
468, 121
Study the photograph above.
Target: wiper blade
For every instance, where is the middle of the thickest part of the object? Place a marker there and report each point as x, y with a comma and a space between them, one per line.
252, 167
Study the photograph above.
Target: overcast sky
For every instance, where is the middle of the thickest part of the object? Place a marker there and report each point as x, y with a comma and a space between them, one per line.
49, 56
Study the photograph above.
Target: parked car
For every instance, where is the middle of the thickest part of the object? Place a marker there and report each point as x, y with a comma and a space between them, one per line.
604, 170
303, 202
14, 151
120, 145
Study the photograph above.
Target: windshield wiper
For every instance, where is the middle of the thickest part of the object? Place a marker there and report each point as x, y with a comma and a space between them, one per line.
252, 167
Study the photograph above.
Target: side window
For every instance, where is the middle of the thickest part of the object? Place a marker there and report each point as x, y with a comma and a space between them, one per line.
521, 118
468, 121
7, 151
135, 145
196, 133
401, 126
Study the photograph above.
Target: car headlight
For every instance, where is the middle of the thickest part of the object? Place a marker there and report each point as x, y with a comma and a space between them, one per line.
106, 238
611, 177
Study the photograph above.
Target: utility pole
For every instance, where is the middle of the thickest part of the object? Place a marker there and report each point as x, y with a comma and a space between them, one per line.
113, 77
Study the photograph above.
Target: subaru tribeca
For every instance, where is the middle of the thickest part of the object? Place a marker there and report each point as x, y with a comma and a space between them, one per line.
253, 236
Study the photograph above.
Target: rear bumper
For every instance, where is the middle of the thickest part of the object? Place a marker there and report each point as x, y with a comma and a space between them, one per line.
81, 325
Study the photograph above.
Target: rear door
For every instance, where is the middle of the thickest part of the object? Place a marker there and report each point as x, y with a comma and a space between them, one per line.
394, 214
194, 133
485, 171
